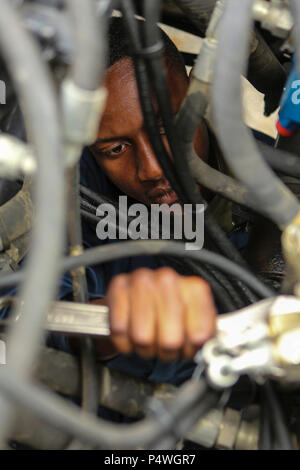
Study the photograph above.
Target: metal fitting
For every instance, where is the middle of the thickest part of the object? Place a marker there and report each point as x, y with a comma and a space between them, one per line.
227, 429
16, 158
261, 341
284, 326
82, 111
291, 249
204, 65
276, 17
207, 429
212, 29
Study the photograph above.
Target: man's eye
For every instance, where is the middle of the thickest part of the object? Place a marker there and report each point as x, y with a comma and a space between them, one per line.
114, 151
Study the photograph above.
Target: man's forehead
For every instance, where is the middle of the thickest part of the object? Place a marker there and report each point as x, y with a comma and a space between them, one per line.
121, 86
123, 113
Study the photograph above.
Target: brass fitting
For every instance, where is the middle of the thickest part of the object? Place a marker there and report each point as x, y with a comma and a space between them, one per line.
291, 249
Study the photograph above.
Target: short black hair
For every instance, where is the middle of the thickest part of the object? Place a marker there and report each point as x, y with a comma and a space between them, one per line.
119, 45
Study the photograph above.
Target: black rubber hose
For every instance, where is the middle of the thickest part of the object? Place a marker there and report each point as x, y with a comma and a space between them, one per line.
197, 7
145, 94
90, 44
237, 142
221, 287
107, 253
187, 121
230, 287
157, 71
86, 214
218, 286
65, 416
74, 233
98, 199
94, 197
262, 65
218, 182
221, 293
90, 385
223, 297
89, 371
265, 434
219, 238
187, 422
280, 160
198, 12
156, 68
191, 191
189, 117
282, 436
23, 61
262, 61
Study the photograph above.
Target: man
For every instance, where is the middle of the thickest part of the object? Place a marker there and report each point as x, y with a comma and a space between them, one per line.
153, 312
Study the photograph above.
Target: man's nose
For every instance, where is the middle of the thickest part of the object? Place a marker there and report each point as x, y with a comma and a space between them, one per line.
148, 167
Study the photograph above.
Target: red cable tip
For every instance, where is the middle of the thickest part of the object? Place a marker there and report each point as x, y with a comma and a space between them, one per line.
283, 131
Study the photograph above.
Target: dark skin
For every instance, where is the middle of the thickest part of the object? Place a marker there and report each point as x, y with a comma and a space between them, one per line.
154, 312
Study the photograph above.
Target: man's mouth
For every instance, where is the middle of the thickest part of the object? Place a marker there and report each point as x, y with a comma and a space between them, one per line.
163, 196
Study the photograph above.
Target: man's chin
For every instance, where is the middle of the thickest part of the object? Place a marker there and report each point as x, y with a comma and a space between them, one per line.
168, 198
174, 204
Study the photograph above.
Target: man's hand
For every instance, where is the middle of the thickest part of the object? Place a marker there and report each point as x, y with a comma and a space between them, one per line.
160, 313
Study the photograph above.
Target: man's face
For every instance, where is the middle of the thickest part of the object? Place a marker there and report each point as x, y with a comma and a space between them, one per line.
123, 149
